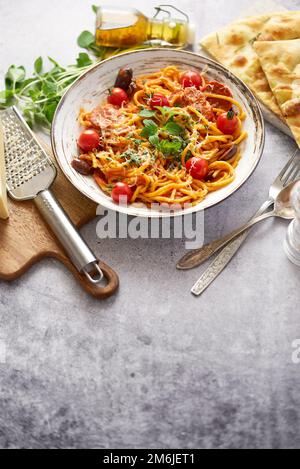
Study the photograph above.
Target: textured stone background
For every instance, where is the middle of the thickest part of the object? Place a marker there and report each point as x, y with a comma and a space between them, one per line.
153, 366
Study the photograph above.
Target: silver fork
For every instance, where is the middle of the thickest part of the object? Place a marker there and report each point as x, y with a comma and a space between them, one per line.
288, 174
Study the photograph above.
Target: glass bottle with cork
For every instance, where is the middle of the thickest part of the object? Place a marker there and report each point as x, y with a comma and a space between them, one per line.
127, 27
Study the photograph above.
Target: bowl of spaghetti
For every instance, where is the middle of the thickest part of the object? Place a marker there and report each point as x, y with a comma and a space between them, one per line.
158, 133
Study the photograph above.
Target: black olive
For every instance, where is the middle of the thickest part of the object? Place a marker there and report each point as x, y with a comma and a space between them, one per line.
124, 78
228, 154
131, 89
82, 166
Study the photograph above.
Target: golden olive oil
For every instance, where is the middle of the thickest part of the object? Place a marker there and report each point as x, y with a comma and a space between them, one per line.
127, 27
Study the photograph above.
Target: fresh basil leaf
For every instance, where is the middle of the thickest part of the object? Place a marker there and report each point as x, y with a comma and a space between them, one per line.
27, 82
165, 110
38, 65
4, 94
150, 128
37, 96
34, 93
154, 140
49, 111
83, 60
86, 39
169, 148
6, 98
49, 88
146, 113
173, 128
14, 75
95, 8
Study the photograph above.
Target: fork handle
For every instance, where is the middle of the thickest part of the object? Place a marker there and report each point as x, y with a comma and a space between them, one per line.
198, 256
227, 253
80, 254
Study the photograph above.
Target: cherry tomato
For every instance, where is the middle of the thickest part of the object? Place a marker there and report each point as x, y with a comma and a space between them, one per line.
121, 189
191, 78
158, 99
88, 140
215, 87
227, 122
117, 97
197, 167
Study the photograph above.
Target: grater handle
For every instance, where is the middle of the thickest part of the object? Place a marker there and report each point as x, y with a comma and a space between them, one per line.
79, 252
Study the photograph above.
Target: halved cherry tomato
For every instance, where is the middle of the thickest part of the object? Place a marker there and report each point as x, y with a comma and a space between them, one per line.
191, 78
117, 97
88, 140
197, 167
215, 87
227, 122
121, 193
158, 99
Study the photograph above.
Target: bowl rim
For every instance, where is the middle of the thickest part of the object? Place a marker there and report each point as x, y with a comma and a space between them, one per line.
161, 214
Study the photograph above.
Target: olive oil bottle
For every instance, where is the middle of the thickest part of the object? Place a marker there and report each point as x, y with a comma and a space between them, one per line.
127, 27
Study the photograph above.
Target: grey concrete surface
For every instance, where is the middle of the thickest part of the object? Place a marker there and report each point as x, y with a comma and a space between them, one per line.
152, 366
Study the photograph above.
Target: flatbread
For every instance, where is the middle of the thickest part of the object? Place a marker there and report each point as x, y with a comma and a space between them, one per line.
233, 47
280, 61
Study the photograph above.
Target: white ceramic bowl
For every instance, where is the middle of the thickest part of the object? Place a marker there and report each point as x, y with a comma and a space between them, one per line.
91, 88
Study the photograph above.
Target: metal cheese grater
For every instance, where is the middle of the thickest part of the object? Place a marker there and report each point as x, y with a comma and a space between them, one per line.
30, 172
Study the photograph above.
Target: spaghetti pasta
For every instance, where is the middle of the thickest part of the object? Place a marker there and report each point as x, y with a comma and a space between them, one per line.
146, 145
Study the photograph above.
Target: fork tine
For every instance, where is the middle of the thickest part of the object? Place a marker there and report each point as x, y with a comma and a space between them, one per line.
288, 175
294, 174
288, 165
289, 169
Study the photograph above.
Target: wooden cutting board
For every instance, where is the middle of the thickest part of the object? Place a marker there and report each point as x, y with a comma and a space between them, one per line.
26, 239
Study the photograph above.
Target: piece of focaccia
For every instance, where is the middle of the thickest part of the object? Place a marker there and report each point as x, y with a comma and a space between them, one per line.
280, 61
233, 47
